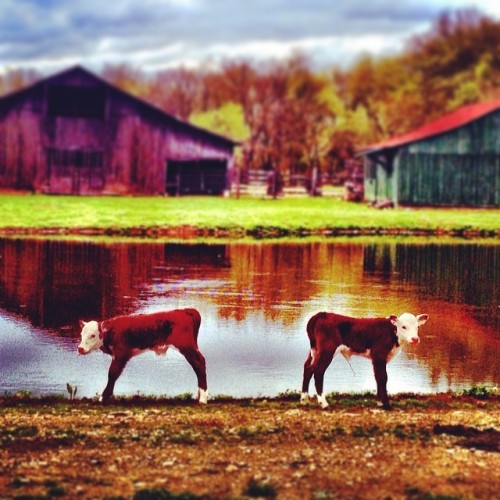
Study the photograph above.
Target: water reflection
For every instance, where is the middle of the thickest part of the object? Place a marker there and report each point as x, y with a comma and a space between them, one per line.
255, 300
464, 274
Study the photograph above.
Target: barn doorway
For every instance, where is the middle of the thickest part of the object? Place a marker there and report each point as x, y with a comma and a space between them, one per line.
185, 177
74, 171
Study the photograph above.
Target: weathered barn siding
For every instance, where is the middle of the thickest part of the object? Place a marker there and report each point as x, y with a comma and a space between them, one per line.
449, 179
74, 133
460, 167
378, 182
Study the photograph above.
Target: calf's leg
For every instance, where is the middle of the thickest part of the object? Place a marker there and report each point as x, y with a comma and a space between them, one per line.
321, 363
115, 370
197, 362
380, 370
308, 373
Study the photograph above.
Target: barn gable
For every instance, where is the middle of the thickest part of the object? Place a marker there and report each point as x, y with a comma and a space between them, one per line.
75, 133
454, 160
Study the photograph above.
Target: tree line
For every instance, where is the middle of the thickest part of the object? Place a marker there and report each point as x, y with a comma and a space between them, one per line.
291, 118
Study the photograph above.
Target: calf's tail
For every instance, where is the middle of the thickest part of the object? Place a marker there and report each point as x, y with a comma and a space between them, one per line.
195, 316
311, 326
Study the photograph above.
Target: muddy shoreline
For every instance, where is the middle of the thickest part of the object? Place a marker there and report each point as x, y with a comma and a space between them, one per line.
436, 446
192, 232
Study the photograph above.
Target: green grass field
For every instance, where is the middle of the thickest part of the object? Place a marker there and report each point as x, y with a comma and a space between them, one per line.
289, 214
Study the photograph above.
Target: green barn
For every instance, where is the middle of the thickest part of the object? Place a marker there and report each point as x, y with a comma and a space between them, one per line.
452, 161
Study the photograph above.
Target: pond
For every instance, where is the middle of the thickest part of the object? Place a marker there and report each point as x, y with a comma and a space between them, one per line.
255, 300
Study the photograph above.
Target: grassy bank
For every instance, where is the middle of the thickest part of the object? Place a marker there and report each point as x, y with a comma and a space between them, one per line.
158, 216
439, 446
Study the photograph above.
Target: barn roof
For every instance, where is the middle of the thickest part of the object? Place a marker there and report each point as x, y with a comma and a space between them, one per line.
160, 113
456, 119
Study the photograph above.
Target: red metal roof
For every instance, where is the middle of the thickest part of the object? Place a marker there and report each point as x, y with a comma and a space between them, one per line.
458, 118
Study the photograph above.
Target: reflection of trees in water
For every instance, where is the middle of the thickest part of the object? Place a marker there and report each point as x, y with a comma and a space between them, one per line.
269, 277
55, 283
461, 284
464, 274
461, 348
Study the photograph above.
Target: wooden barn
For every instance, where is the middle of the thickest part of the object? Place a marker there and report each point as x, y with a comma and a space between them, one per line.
452, 161
74, 133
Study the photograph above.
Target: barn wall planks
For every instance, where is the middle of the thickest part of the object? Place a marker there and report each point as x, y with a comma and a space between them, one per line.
457, 168
76, 134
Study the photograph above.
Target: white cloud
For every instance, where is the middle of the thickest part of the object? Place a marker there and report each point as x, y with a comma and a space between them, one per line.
155, 34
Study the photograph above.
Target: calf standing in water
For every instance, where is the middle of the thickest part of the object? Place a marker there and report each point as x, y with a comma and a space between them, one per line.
378, 339
125, 336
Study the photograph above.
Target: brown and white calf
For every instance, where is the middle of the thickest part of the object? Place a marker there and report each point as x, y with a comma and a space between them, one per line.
126, 336
378, 339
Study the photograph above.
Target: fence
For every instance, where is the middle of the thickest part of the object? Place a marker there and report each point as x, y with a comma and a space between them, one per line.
268, 183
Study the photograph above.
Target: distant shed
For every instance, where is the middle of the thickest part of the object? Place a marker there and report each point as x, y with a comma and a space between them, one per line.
452, 161
74, 133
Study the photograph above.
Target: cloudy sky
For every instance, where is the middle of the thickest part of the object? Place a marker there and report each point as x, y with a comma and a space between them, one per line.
50, 35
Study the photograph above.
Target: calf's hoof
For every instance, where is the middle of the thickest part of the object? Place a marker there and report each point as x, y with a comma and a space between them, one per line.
202, 396
105, 400
304, 398
323, 402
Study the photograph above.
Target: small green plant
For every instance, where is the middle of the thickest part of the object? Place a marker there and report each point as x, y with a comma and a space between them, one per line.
251, 432
20, 481
332, 434
68, 435
414, 493
71, 391
185, 437
18, 433
255, 490
56, 491
372, 431
324, 495
24, 394
481, 391
24, 431
289, 395
399, 431
185, 396
411, 432
160, 494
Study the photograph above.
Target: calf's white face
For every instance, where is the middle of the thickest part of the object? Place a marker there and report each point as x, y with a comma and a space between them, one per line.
407, 326
91, 339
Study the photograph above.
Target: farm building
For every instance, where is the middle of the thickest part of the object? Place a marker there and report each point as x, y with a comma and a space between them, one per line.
454, 160
74, 133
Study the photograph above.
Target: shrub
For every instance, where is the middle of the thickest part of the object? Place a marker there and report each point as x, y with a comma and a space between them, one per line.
265, 490
481, 391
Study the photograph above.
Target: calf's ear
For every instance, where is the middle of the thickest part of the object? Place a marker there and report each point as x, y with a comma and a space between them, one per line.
422, 318
82, 323
393, 318
105, 328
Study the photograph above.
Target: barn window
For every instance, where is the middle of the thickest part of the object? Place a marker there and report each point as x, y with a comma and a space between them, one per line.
76, 102
78, 158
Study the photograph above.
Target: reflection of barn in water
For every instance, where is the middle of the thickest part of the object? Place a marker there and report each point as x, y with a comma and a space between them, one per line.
74, 133
441, 271
459, 281
56, 283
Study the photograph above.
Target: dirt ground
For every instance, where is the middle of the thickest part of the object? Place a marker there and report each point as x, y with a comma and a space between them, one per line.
428, 447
